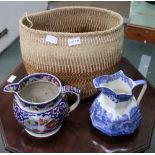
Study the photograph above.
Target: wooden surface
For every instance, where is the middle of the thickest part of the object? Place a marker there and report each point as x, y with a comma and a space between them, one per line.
77, 133
141, 33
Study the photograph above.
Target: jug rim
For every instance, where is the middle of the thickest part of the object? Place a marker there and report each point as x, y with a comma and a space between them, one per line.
118, 74
119, 94
36, 103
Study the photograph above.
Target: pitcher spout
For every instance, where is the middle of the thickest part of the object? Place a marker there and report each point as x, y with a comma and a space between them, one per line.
99, 82
12, 88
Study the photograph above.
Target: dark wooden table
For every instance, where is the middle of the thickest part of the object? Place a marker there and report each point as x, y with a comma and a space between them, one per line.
77, 133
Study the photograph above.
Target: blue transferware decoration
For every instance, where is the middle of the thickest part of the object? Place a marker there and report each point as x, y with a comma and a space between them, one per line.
115, 111
42, 119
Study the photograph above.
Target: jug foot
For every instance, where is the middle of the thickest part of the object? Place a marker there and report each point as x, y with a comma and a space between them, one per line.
44, 135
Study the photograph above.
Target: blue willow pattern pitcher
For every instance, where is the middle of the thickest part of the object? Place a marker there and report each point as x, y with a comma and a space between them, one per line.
116, 111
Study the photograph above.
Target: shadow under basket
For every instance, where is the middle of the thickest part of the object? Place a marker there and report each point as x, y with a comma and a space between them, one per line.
101, 34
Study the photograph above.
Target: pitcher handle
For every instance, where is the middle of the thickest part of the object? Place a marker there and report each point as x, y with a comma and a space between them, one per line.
76, 91
144, 83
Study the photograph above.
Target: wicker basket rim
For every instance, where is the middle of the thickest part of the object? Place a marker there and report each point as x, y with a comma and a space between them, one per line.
68, 34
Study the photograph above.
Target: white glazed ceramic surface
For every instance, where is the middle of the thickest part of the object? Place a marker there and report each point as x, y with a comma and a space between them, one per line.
116, 111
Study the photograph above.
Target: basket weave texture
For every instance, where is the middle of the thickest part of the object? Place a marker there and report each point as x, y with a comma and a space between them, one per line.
101, 35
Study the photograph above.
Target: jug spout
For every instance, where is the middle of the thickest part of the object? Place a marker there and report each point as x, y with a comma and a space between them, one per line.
11, 88
99, 82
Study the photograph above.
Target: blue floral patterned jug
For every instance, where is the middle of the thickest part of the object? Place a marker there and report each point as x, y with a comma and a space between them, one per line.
42, 118
116, 111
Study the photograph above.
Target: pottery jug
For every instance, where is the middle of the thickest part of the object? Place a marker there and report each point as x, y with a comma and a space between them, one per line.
116, 111
42, 119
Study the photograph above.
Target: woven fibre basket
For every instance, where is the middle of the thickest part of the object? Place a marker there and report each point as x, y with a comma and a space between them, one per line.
101, 34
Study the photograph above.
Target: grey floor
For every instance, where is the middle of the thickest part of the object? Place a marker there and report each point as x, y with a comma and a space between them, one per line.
132, 50
121, 7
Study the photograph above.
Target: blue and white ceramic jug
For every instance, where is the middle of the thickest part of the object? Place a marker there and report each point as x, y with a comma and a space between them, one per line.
42, 118
116, 111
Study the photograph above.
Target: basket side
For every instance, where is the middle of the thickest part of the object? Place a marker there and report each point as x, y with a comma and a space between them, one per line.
99, 53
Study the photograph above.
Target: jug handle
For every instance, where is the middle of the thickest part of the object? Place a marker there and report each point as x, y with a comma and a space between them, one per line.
11, 87
144, 83
74, 90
